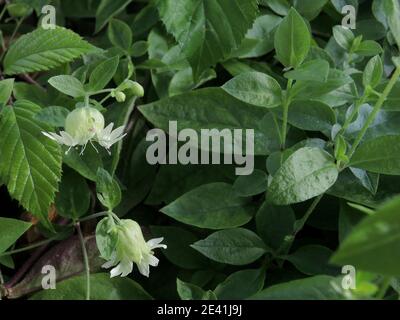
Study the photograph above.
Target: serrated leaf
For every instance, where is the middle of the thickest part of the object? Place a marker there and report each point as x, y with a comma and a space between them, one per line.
207, 30
30, 163
44, 49
11, 230
6, 88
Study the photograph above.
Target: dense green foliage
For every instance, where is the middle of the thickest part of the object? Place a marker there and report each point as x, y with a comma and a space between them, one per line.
323, 101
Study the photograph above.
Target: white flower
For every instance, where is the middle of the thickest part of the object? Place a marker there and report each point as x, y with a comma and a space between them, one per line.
84, 125
132, 248
107, 137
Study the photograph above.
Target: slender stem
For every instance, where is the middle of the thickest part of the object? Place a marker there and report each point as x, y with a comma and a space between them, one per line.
285, 247
285, 106
30, 247
277, 127
383, 289
105, 98
87, 100
85, 260
94, 216
376, 109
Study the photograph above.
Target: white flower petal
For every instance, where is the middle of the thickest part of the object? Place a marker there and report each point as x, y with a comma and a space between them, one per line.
116, 271
144, 268
152, 260
108, 264
68, 139
117, 132
126, 267
155, 243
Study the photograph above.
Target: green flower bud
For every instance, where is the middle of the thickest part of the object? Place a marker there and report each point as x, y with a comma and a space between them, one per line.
120, 96
19, 10
84, 123
131, 244
133, 87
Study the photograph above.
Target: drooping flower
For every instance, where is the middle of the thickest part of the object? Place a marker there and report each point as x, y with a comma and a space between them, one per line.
132, 248
84, 125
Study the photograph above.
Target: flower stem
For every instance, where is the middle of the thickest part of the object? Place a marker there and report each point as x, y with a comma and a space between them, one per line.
30, 247
286, 103
375, 111
85, 259
94, 216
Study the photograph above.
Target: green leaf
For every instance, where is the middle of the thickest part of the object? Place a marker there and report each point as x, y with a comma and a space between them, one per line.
369, 48
44, 49
312, 288
232, 246
73, 198
207, 31
309, 9
392, 11
215, 109
120, 34
255, 88
54, 116
103, 74
86, 164
211, 206
241, 284
108, 191
379, 155
108, 9
292, 40
68, 85
188, 291
251, 185
307, 173
179, 252
344, 37
373, 72
374, 244
314, 70
312, 260
139, 48
102, 288
274, 224
6, 88
11, 230
30, 163
281, 7
106, 239
311, 115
